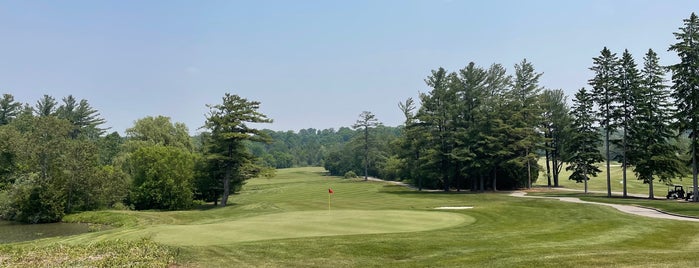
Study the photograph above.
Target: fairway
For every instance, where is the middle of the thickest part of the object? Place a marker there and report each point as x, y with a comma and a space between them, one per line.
306, 224
284, 221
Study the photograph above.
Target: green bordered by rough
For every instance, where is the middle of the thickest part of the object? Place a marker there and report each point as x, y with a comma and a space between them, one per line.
306, 224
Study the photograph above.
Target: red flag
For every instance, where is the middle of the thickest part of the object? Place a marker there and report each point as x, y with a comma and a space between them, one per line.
330, 191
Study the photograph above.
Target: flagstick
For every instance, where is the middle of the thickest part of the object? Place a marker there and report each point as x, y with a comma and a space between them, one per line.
329, 194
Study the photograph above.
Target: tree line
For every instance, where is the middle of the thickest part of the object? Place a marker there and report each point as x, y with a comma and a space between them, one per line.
482, 128
55, 159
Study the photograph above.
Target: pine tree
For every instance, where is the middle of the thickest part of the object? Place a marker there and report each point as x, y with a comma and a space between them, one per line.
604, 90
526, 117
651, 151
9, 109
629, 82
229, 159
366, 121
556, 123
685, 78
584, 155
433, 118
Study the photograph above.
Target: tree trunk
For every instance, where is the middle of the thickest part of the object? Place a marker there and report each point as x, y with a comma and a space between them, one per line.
366, 153
548, 167
495, 180
651, 195
557, 166
609, 175
227, 177
529, 169
695, 189
623, 165
481, 184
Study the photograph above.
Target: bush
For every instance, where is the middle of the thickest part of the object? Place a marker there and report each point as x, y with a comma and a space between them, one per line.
350, 175
162, 178
31, 200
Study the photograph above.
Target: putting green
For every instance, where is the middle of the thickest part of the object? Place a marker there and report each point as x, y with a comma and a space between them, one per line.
306, 224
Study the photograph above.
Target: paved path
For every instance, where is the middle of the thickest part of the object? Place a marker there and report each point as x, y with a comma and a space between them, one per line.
640, 211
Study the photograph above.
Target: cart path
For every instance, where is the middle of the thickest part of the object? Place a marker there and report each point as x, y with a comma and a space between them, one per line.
634, 210
640, 211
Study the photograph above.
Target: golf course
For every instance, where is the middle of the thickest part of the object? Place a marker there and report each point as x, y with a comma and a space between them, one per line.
291, 220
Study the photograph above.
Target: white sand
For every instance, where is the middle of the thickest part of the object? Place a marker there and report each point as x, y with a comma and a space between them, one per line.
454, 208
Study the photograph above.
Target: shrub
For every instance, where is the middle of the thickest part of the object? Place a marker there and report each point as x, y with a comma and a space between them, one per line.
350, 175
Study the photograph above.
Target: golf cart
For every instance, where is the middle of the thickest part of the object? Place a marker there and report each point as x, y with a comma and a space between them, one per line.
689, 195
677, 193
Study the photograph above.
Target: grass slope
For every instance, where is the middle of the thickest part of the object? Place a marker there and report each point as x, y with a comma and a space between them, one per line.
599, 183
500, 231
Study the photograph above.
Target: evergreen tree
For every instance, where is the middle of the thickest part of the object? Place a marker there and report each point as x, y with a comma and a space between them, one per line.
584, 156
651, 151
46, 106
629, 82
9, 109
685, 78
556, 124
526, 118
366, 121
604, 90
229, 159
85, 119
433, 119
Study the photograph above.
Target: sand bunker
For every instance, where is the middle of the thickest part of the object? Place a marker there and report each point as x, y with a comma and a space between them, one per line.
453, 208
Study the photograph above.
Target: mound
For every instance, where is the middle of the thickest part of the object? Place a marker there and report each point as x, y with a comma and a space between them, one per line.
306, 224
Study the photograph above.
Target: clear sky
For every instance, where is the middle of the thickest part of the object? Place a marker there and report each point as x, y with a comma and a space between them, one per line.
312, 64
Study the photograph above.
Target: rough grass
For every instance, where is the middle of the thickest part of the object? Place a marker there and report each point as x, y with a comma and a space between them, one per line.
599, 183
116, 253
673, 206
507, 231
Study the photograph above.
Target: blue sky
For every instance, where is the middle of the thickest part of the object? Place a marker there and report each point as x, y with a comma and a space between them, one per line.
312, 64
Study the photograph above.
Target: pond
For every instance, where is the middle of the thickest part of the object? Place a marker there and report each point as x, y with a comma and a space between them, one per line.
16, 232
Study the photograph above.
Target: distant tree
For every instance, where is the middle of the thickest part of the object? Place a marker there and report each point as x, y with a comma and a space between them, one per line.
366, 121
556, 125
9, 109
685, 86
110, 147
526, 117
160, 130
584, 156
85, 119
604, 90
652, 151
228, 157
409, 151
46, 106
37, 194
432, 120
629, 81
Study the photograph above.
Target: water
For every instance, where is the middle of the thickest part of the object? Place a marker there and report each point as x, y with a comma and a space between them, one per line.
15, 232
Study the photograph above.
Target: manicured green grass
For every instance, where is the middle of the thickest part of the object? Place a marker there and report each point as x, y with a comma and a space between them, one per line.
500, 231
306, 224
679, 207
599, 183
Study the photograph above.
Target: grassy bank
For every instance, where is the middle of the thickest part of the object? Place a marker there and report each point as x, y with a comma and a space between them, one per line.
599, 183
285, 222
